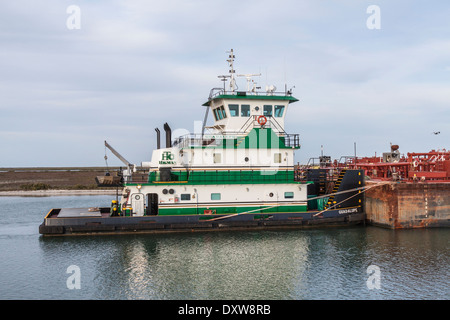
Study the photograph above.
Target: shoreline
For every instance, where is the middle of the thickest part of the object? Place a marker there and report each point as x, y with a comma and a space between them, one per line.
57, 192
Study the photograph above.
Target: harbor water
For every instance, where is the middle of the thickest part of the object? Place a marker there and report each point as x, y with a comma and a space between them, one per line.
331, 263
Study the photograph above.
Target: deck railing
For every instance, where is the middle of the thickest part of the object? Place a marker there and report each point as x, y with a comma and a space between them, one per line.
224, 176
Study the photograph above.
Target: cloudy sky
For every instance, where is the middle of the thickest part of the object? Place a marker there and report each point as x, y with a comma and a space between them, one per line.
129, 66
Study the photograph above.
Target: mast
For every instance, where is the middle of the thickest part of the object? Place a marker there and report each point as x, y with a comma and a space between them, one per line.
232, 71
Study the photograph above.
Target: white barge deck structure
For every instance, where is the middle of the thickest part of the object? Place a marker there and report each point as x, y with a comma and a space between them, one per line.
235, 174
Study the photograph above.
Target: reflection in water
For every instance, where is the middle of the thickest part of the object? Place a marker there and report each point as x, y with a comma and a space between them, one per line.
301, 264
207, 266
138, 273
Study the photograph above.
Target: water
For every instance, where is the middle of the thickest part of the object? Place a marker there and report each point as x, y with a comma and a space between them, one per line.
299, 264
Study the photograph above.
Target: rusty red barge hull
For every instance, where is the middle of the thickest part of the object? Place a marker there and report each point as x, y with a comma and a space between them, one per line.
409, 205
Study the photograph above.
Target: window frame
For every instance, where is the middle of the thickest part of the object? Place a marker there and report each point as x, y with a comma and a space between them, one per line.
246, 106
185, 194
224, 113
277, 157
289, 194
280, 106
217, 157
219, 113
215, 114
236, 109
214, 195
266, 114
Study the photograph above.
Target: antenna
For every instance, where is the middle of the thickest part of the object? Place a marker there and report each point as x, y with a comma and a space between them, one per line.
249, 80
285, 80
224, 79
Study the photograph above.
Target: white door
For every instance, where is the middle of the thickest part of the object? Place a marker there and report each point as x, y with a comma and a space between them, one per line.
137, 203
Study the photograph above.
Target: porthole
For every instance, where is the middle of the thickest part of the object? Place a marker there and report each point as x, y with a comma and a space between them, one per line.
171, 191
246, 159
164, 191
271, 194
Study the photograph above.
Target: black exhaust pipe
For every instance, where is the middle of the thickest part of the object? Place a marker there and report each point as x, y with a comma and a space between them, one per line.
158, 139
168, 135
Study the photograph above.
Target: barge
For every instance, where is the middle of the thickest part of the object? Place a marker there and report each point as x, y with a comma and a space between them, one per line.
237, 174
411, 191
419, 195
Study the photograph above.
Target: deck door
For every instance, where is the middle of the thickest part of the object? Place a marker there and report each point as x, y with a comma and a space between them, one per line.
152, 204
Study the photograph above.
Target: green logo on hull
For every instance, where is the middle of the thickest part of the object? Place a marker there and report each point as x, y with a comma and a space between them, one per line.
167, 158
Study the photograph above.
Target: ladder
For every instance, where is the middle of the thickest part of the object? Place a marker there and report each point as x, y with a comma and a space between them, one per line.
331, 201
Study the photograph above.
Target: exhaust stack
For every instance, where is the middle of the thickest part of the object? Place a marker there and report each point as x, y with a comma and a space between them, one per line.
158, 138
168, 135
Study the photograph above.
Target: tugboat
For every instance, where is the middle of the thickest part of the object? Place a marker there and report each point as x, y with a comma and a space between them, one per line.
238, 173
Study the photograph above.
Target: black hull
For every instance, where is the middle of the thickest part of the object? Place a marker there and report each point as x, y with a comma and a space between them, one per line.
193, 223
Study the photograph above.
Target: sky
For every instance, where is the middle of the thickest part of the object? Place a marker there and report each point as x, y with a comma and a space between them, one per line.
72, 77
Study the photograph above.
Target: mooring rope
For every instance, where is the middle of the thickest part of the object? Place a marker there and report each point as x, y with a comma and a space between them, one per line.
365, 189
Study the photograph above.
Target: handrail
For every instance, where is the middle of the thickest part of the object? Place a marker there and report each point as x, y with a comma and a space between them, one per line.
250, 121
279, 127
236, 176
197, 139
221, 91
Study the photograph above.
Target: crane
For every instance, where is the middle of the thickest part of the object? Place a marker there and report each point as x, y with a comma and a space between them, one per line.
130, 167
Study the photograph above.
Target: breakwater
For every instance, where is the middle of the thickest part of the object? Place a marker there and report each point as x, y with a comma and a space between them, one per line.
51, 178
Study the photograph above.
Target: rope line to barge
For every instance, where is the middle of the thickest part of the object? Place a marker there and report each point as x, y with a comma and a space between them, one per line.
365, 189
362, 189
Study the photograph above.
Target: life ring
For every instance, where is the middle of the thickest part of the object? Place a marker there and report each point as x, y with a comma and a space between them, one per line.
415, 164
262, 120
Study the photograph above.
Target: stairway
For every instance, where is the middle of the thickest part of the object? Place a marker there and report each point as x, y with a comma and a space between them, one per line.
322, 180
331, 201
239, 140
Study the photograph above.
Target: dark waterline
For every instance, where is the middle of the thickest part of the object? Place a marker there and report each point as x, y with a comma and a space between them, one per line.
295, 264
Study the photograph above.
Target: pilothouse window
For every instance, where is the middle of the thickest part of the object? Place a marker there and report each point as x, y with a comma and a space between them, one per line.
223, 112
279, 111
216, 116
219, 113
245, 110
234, 110
267, 110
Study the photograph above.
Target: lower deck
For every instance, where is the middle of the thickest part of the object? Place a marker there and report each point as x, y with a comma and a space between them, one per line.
99, 222
173, 207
